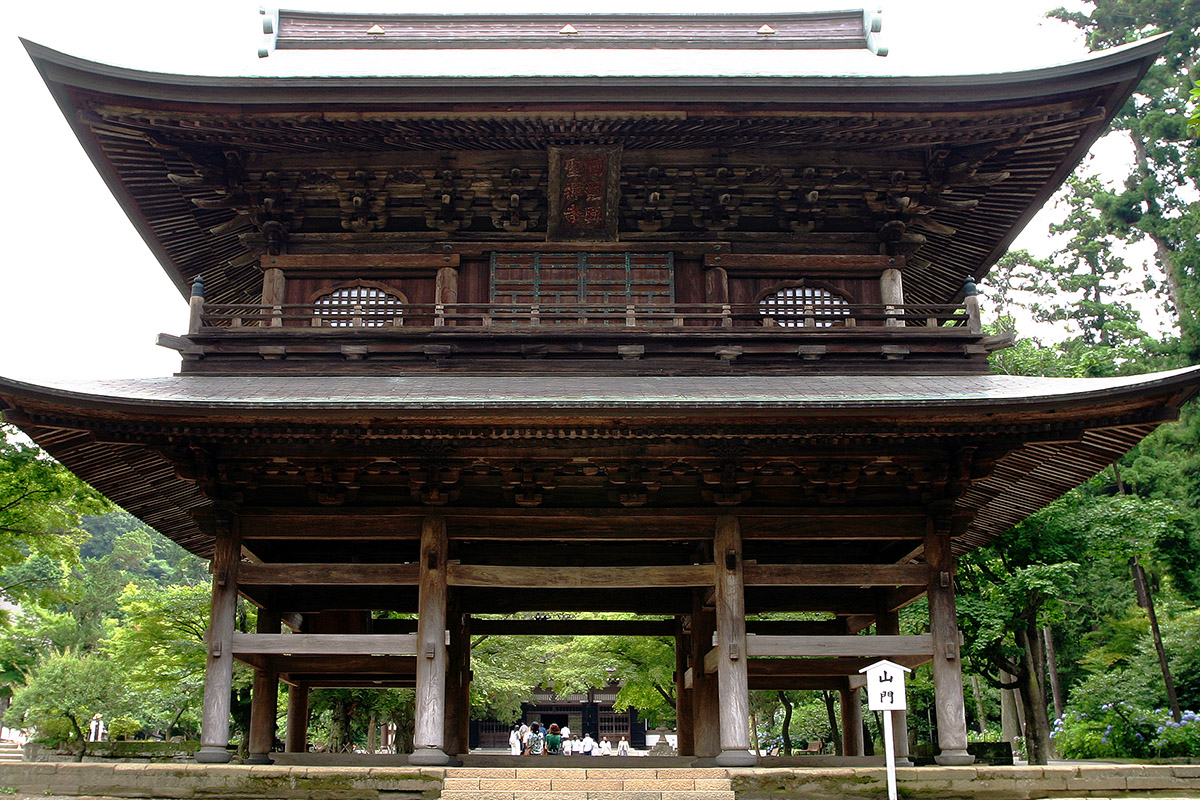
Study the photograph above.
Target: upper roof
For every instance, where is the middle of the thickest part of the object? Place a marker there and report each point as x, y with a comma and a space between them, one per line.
808, 30
999, 144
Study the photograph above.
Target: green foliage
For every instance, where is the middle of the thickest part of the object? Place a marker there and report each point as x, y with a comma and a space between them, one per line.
64, 692
41, 505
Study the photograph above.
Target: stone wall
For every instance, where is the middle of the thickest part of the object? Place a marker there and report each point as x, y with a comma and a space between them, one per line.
975, 783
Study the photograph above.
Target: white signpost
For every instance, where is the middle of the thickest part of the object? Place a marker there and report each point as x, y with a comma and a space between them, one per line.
885, 692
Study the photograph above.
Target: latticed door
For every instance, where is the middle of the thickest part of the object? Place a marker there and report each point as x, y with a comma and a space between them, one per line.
583, 288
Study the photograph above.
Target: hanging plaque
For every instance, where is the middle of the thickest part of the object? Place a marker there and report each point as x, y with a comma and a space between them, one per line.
585, 185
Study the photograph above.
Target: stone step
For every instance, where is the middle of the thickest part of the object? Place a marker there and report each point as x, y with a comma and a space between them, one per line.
526, 794
601, 783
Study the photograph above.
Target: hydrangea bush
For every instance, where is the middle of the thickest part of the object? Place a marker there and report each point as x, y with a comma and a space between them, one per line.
1121, 730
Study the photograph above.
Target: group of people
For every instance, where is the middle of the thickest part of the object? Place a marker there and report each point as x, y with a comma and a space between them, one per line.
535, 740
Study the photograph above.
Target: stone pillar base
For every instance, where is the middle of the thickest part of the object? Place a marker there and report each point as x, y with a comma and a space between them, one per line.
954, 758
429, 757
212, 754
736, 758
258, 758
904, 761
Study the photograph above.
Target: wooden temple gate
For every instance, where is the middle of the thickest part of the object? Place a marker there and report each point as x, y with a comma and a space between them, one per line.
703, 348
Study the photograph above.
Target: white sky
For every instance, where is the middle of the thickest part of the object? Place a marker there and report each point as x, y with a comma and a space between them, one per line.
80, 294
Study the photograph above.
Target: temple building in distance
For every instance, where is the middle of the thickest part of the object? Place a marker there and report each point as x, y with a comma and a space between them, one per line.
647, 308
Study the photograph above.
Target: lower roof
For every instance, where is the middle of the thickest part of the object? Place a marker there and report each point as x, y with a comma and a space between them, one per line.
1055, 432
465, 392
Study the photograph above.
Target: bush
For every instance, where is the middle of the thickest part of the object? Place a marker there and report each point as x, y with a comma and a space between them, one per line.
1121, 730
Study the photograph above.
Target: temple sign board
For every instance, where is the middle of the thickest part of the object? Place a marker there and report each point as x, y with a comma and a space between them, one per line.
885, 692
885, 686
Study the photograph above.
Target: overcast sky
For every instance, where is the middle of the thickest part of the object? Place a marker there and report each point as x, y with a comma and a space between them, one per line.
80, 294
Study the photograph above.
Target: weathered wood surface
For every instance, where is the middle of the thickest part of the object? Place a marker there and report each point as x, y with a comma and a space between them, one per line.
731, 636
293, 574
264, 698
581, 577
947, 664
835, 575
840, 646
706, 700
218, 675
317, 644
430, 712
813, 667
297, 719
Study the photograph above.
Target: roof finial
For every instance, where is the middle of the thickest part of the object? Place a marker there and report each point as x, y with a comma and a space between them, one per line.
969, 287
198, 286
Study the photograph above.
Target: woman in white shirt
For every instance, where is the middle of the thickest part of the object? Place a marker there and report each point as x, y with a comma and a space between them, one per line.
514, 740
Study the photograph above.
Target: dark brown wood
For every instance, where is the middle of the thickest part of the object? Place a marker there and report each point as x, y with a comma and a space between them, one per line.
218, 675
685, 743
458, 679
264, 698
706, 719
430, 712
329, 574
835, 575
947, 673
297, 719
581, 577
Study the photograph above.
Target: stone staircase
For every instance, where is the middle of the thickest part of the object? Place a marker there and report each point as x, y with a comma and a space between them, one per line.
568, 783
11, 751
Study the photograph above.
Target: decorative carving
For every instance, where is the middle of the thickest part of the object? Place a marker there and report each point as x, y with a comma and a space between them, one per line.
584, 192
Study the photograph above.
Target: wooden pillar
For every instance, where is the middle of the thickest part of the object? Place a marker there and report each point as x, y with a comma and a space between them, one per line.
706, 703
297, 720
732, 673
891, 292
272, 293
430, 726
458, 681
947, 664
852, 722
685, 744
888, 624
445, 289
264, 699
218, 672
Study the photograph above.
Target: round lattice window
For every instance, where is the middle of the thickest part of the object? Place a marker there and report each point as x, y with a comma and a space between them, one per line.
804, 306
358, 307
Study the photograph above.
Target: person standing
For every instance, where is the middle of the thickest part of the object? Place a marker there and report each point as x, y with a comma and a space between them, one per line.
605, 747
588, 746
554, 741
623, 747
566, 734
535, 742
514, 740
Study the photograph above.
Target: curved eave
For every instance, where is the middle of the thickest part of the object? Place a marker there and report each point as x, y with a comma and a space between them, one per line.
104, 438
483, 398
1106, 80
1119, 65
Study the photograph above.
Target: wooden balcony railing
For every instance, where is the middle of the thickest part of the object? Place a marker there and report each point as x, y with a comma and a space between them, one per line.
696, 316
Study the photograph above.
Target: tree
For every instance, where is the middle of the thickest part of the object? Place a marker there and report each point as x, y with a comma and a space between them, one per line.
41, 505
1158, 198
65, 691
160, 648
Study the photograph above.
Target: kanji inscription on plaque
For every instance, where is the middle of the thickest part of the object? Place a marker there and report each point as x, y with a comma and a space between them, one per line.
584, 186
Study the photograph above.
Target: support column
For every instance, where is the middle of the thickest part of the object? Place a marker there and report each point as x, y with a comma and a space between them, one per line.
273, 293
947, 665
445, 290
732, 673
891, 292
218, 672
706, 722
458, 681
430, 725
685, 744
297, 720
264, 700
888, 624
852, 722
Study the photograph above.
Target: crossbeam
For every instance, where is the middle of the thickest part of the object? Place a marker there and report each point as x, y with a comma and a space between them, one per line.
836, 575
324, 644
581, 577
